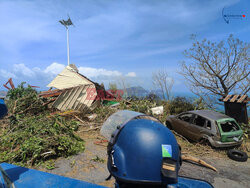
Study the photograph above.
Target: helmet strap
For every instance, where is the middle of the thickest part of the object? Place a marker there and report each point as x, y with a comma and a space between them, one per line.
169, 170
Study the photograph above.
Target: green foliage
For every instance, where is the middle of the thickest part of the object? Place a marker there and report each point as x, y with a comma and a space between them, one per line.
199, 104
103, 112
182, 104
113, 87
32, 139
246, 130
32, 136
98, 159
138, 105
24, 100
154, 98
50, 164
20, 91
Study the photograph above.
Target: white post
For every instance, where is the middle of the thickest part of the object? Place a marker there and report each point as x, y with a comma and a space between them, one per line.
67, 43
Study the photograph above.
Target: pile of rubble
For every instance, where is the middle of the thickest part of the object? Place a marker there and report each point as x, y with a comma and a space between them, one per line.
70, 90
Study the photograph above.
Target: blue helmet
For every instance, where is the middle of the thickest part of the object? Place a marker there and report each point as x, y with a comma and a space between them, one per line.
141, 149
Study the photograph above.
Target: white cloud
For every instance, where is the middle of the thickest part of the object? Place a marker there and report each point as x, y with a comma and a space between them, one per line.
6, 74
54, 68
131, 74
23, 70
41, 77
93, 72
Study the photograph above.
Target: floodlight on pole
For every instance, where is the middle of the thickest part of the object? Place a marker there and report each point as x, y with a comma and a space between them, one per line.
67, 24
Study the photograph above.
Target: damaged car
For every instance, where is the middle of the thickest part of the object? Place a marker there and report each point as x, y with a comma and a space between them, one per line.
206, 126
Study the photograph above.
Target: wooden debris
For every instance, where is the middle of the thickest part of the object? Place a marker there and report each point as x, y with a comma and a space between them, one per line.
91, 117
101, 143
52, 100
50, 93
91, 129
199, 161
65, 113
79, 119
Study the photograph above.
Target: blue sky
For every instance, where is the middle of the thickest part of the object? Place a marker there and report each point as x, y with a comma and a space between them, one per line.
112, 40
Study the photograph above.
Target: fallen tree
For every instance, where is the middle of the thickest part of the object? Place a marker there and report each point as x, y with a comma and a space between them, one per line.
32, 135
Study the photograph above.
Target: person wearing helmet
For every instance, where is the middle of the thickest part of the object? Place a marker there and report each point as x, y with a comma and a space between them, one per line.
141, 152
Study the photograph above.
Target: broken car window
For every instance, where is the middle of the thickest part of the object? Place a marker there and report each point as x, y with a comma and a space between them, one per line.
208, 124
199, 121
229, 126
186, 117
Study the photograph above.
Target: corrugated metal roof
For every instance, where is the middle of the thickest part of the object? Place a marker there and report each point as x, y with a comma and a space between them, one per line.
235, 98
76, 98
68, 78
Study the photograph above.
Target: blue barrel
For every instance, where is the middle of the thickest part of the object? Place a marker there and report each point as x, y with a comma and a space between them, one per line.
3, 109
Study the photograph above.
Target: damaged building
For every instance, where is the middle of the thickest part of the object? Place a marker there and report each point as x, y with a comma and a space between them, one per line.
75, 91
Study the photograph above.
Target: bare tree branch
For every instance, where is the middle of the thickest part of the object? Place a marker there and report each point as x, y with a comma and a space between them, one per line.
216, 69
164, 82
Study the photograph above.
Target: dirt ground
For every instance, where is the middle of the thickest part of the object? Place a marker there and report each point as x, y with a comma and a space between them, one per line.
90, 165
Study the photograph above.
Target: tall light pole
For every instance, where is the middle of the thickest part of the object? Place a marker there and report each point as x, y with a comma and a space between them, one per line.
67, 24
67, 43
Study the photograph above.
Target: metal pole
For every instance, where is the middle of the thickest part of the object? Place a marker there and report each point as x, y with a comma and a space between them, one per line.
67, 43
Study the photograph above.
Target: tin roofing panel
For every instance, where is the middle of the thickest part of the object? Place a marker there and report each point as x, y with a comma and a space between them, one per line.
76, 98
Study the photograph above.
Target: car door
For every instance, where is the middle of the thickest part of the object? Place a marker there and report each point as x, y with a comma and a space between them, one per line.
198, 127
182, 123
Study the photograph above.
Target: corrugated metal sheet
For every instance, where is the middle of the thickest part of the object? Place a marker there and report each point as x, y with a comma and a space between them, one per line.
76, 98
235, 98
226, 98
69, 78
242, 98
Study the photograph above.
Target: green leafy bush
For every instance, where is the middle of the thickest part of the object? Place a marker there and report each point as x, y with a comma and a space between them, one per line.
33, 136
33, 139
180, 104
183, 104
24, 100
138, 105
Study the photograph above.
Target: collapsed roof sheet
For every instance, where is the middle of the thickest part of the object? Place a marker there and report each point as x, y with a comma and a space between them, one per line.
76, 98
69, 78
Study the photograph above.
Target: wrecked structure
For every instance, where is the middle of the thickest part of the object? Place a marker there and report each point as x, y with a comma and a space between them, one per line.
236, 107
75, 91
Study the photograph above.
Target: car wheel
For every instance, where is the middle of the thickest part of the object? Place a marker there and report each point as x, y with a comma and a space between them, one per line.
205, 141
237, 155
168, 124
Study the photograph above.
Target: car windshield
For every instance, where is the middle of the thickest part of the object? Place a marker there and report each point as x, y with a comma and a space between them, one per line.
229, 126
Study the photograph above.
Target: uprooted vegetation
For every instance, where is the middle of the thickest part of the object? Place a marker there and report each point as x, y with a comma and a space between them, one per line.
31, 135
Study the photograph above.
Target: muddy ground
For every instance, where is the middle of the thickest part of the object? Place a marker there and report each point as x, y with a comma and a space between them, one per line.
90, 165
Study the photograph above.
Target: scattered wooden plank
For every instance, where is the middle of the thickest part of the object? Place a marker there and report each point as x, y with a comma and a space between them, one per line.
91, 129
199, 161
49, 93
79, 119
